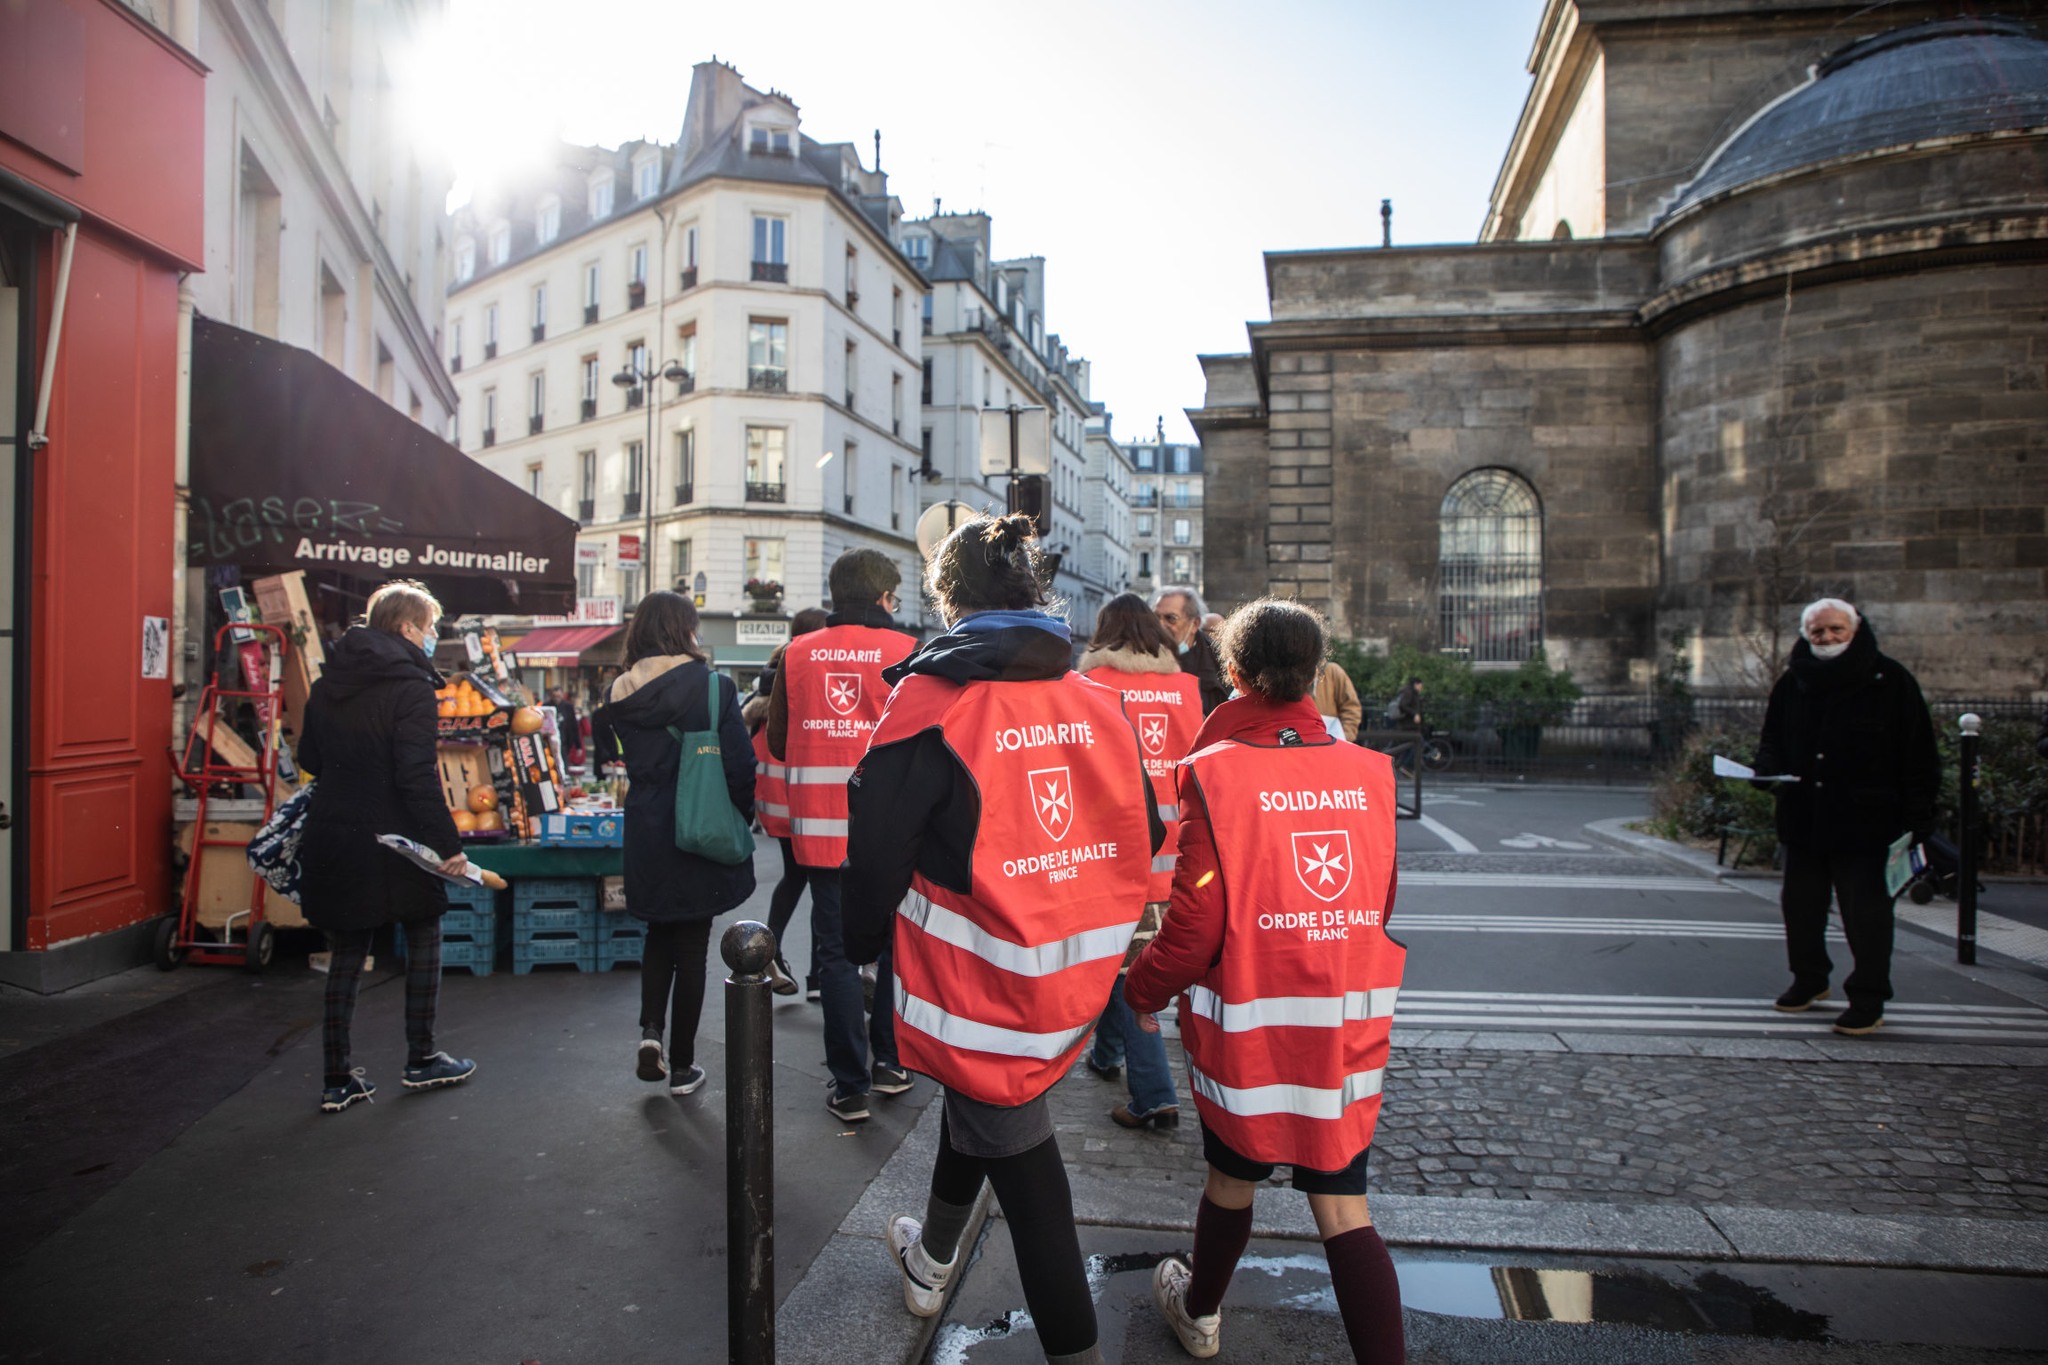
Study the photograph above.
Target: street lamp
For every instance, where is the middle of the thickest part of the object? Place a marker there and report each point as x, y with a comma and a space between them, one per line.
631, 378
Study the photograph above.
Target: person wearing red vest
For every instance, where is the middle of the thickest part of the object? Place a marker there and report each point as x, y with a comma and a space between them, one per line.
1132, 652
1276, 944
826, 699
1002, 830
771, 806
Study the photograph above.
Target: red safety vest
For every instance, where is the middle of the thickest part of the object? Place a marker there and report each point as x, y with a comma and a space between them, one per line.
997, 989
771, 793
833, 680
1166, 708
1286, 1036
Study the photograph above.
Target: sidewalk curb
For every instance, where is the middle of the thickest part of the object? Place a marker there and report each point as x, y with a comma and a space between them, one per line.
850, 1293
1616, 834
1581, 1228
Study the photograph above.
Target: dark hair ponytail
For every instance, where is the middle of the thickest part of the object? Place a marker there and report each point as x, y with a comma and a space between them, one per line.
988, 564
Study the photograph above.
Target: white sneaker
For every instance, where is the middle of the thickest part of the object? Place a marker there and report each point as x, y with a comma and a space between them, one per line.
1199, 1337
924, 1280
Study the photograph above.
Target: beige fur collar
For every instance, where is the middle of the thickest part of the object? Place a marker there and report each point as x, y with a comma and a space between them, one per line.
1128, 661
645, 672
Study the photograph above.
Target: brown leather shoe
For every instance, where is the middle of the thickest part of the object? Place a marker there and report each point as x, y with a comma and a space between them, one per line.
1165, 1116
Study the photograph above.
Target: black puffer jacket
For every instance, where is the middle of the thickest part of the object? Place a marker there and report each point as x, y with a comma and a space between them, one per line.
663, 883
1855, 730
370, 740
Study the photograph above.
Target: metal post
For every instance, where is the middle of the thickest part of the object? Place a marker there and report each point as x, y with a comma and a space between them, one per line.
748, 947
1966, 838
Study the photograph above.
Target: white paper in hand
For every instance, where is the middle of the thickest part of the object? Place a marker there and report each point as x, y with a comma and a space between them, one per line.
422, 856
1728, 767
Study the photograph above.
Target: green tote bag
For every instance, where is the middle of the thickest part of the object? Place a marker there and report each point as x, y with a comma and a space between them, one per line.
706, 822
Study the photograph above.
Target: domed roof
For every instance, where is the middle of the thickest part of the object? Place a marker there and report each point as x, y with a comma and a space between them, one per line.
1932, 80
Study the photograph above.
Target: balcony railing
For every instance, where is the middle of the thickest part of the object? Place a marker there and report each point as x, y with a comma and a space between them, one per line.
768, 378
852, 298
455, 365
586, 511
686, 493
689, 277
490, 436
848, 501
896, 335
766, 492
535, 424
490, 350
589, 313
927, 326
636, 293
631, 506
540, 331
589, 409
687, 384
635, 397
772, 272
849, 400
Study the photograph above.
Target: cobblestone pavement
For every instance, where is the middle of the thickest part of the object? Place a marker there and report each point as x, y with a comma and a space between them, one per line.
1840, 1137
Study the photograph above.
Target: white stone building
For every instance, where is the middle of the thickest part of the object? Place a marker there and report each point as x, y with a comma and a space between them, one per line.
1106, 539
986, 346
325, 220
758, 270
1166, 513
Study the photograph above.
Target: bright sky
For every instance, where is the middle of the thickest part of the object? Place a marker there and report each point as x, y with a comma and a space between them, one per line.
1150, 150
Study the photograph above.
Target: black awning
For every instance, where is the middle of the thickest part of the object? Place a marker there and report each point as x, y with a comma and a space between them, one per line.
295, 466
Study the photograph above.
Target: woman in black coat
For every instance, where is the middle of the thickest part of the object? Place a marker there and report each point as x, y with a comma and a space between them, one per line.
369, 738
667, 683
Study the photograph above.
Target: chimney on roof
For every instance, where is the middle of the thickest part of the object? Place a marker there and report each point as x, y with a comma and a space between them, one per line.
1162, 429
1386, 222
935, 206
878, 149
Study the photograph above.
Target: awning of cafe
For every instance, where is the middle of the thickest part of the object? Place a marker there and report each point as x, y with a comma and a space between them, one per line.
562, 646
296, 466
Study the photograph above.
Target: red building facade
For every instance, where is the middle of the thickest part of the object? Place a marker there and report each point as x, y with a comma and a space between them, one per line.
101, 146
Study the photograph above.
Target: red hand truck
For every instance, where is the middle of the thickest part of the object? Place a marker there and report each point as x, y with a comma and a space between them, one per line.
203, 767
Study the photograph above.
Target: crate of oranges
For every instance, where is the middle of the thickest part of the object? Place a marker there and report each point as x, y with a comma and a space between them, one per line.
471, 707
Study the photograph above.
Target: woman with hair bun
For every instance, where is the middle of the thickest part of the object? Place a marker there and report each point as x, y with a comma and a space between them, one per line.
1276, 944
1002, 827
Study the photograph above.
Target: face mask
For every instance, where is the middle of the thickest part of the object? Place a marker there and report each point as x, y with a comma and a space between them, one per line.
1825, 652
1182, 648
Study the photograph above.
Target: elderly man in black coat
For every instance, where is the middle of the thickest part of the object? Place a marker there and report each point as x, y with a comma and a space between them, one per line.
369, 738
1851, 725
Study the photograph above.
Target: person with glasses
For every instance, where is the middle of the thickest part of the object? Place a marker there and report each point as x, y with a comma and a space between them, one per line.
1180, 610
369, 736
826, 699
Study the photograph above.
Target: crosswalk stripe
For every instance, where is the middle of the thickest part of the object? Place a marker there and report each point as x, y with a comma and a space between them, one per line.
1556, 882
1532, 999
1786, 1025
1424, 922
1569, 1012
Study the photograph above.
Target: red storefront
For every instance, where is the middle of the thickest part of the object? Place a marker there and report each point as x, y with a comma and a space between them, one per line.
101, 146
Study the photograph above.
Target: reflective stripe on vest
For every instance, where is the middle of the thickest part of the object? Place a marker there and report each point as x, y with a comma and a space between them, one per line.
1301, 1101
1293, 1011
949, 926
1289, 1028
974, 1036
832, 680
771, 797
1165, 709
999, 989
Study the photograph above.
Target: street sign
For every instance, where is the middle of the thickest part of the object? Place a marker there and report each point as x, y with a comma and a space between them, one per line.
629, 549
588, 553
590, 611
937, 522
1033, 441
761, 632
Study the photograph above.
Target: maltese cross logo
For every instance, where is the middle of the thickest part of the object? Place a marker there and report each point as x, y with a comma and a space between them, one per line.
1322, 859
1052, 800
1152, 731
842, 692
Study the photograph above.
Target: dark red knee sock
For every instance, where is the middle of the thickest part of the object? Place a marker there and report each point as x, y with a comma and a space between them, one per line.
1220, 1237
1368, 1295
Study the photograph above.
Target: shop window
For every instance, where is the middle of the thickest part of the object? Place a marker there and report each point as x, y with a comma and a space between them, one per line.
1490, 568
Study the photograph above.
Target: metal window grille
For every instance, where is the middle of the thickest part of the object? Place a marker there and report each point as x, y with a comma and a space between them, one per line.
1490, 563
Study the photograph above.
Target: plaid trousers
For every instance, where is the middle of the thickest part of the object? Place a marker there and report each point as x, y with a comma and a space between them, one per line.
345, 975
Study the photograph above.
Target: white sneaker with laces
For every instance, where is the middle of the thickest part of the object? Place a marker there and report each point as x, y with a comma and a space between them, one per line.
924, 1280
1199, 1337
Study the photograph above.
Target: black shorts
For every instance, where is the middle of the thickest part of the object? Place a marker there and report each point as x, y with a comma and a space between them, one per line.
1350, 1180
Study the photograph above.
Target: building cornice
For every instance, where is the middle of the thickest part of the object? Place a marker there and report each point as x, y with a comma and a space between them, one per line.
1560, 62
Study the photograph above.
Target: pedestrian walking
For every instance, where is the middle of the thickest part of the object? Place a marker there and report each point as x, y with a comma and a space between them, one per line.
1131, 652
1277, 946
827, 697
569, 728
1180, 610
369, 738
1849, 722
667, 690
1336, 699
771, 805
1001, 826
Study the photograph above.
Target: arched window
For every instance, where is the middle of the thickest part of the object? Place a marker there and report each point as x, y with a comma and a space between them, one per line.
1490, 566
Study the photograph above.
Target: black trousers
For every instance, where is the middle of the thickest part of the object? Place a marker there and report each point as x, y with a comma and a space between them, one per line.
1855, 881
672, 977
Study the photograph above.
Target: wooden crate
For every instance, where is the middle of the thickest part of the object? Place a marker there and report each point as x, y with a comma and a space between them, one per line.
227, 882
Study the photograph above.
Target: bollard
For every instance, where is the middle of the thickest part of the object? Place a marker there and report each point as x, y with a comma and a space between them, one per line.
1966, 860
748, 947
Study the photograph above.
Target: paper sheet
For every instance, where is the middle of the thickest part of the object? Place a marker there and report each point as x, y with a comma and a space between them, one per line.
1728, 767
422, 856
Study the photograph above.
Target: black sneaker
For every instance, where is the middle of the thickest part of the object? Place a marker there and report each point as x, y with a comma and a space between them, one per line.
438, 1070
1799, 997
336, 1098
847, 1108
687, 1082
1858, 1020
889, 1080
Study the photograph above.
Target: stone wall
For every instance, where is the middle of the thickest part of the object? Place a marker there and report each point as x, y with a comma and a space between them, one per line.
1892, 434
